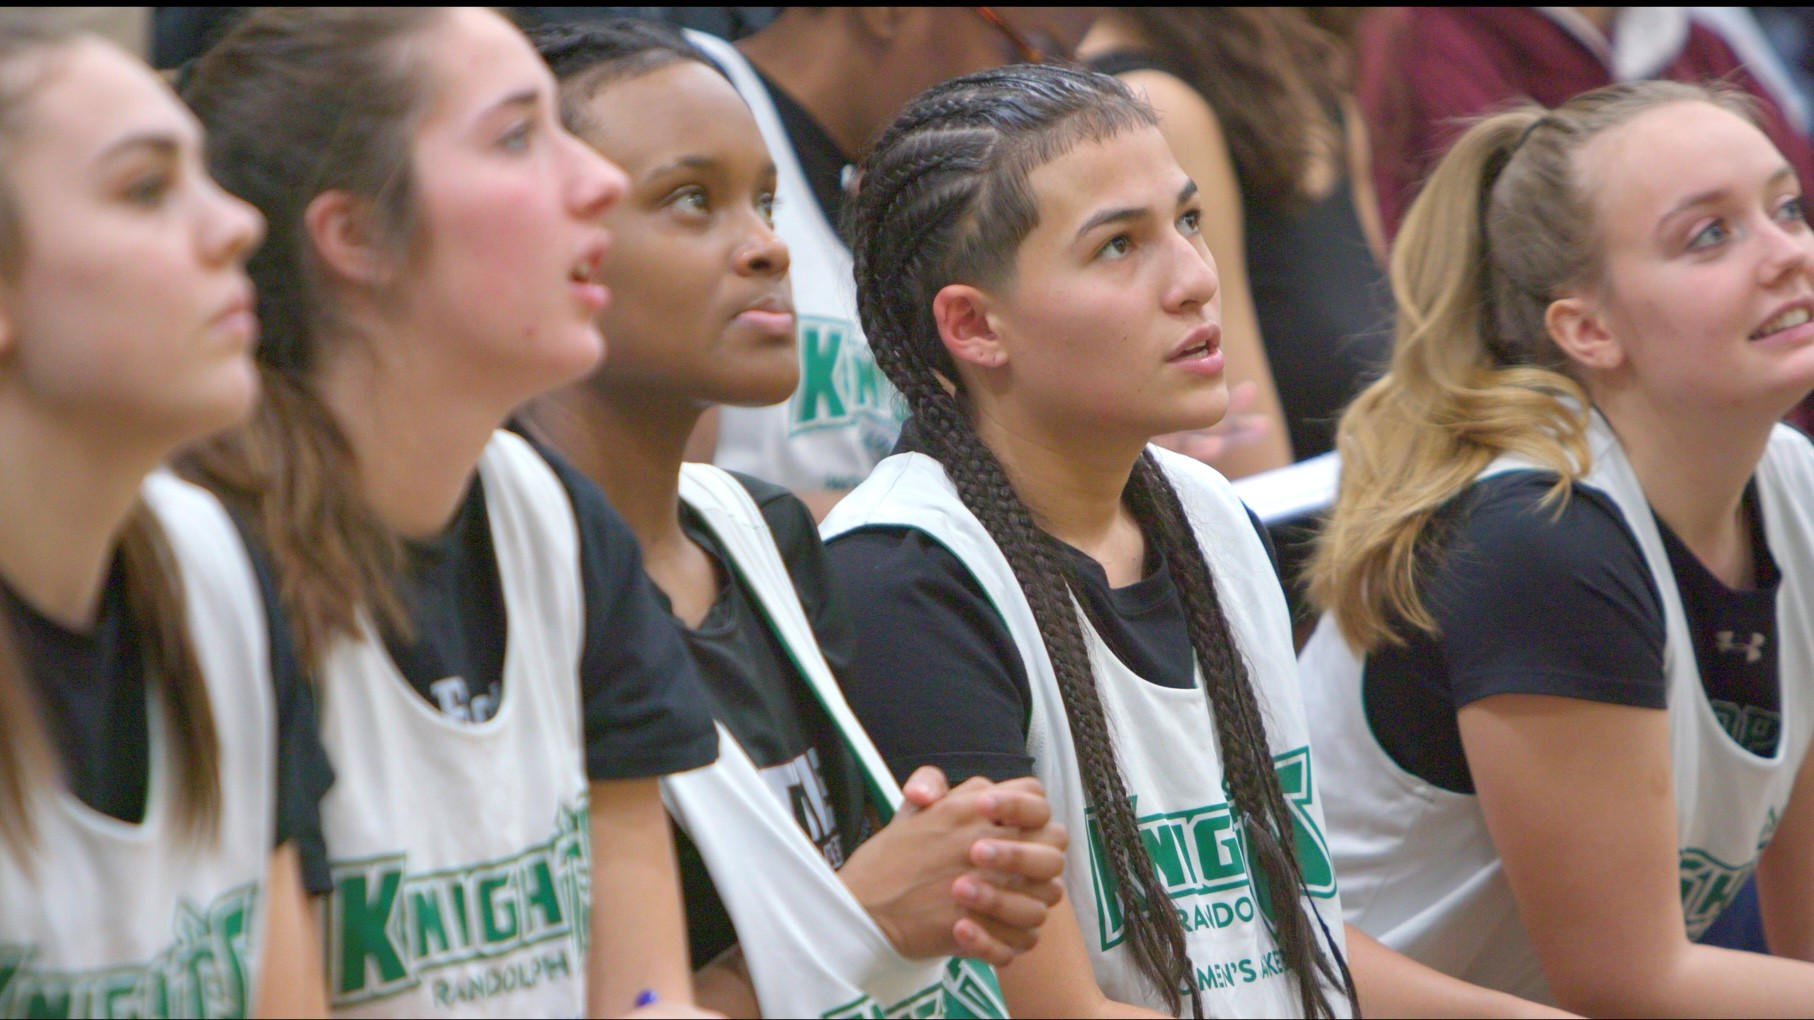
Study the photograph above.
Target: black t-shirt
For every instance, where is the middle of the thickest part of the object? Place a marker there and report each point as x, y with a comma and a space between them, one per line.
1530, 600
93, 693
760, 696
645, 711
820, 159
937, 679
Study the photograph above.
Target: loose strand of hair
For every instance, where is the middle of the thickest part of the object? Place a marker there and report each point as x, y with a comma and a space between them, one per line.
155, 599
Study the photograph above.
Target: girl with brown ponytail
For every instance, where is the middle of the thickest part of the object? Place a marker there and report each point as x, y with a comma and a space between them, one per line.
156, 739
1563, 689
499, 689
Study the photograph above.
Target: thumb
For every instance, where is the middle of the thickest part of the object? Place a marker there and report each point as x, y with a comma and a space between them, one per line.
926, 787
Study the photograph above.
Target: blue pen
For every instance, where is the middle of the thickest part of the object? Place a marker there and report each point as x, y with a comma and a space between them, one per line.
646, 997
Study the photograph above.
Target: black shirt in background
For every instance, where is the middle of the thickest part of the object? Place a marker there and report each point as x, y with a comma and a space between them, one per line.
760, 696
94, 696
820, 158
938, 680
1529, 602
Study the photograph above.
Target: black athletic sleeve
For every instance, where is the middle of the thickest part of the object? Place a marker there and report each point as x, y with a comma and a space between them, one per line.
937, 679
645, 707
1532, 603
304, 773
797, 536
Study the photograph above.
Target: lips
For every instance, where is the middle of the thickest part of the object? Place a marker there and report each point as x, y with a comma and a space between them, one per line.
1796, 313
772, 315
1199, 343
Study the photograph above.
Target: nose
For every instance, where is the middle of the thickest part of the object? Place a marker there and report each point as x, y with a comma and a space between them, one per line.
1194, 283
762, 253
1788, 251
596, 183
231, 228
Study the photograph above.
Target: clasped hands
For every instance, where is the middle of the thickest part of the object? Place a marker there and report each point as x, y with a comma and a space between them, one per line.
964, 871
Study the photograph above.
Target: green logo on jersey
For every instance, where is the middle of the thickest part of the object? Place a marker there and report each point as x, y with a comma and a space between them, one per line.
1708, 883
389, 930
1202, 859
966, 990
203, 973
839, 380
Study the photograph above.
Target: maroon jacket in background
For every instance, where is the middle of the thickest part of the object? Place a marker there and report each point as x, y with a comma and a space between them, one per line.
1422, 71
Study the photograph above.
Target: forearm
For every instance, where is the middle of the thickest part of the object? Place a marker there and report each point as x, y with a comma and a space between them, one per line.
638, 925
1390, 983
726, 986
1699, 981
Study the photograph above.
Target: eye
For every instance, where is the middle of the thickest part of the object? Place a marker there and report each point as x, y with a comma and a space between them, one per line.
1793, 210
148, 190
1116, 247
1714, 233
1191, 223
765, 207
691, 200
516, 139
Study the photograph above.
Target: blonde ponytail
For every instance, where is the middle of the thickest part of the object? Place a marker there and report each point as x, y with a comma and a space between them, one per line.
1502, 228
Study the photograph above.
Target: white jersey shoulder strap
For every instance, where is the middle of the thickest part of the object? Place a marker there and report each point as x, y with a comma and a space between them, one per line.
737, 521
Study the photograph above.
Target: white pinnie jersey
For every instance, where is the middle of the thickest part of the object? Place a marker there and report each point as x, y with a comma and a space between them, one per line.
460, 850
1165, 739
844, 416
811, 948
1418, 866
109, 918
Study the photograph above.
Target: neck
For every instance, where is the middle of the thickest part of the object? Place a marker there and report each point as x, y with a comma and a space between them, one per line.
67, 496
1070, 484
631, 444
1694, 465
416, 447
795, 55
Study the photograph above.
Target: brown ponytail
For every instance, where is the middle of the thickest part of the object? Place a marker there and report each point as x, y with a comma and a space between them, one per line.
154, 588
297, 102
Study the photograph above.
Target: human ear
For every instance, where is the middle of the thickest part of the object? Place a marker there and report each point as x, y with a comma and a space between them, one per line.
962, 314
1579, 328
341, 229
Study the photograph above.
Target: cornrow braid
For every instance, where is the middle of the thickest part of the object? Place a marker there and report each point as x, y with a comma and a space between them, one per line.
945, 198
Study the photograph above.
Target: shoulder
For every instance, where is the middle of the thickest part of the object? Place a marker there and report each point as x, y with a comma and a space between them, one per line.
787, 517
875, 561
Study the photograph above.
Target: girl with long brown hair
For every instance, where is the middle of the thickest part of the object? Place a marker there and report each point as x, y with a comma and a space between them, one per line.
156, 739
499, 689
1562, 686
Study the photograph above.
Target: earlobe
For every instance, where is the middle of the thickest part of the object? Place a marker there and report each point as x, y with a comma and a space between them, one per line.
1580, 330
961, 312
340, 229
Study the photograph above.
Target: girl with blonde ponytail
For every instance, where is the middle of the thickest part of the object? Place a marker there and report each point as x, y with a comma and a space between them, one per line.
158, 760
1562, 685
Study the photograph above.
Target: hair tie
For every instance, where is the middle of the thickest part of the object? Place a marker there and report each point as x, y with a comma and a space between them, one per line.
1534, 125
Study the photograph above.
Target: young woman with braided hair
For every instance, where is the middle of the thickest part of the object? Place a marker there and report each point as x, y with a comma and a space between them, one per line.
1045, 594
1562, 689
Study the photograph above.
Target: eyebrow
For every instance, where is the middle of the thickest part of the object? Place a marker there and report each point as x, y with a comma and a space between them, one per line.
1130, 213
526, 97
161, 143
684, 163
1703, 197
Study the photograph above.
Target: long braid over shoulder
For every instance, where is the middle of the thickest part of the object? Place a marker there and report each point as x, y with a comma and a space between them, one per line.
945, 199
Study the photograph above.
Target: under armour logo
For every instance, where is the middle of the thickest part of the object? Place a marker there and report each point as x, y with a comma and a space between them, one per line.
1753, 649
